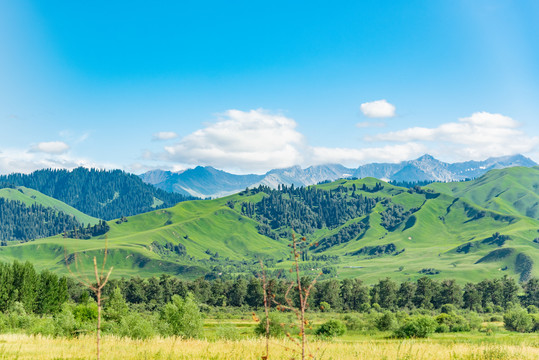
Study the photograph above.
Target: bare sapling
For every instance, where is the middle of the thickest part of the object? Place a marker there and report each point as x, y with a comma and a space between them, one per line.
100, 281
299, 311
266, 309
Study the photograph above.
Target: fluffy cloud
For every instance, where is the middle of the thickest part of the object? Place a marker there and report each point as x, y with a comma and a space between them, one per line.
164, 135
51, 147
17, 160
378, 109
479, 136
256, 140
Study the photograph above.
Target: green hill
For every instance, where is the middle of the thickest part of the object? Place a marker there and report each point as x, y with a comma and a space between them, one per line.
100, 193
512, 190
30, 196
355, 228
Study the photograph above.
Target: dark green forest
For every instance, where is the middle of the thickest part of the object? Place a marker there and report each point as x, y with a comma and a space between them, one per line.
306, 209
100, 193
23, 223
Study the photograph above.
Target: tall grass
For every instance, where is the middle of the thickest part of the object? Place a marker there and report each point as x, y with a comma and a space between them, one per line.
16, 346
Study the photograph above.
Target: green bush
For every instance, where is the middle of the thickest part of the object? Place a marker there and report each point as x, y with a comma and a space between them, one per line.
183, 317
353, 322
44, 326
420, 326
85, 312
65, 323
386, 322
518, 319
448, 309
136, 326
324, 306
331, 328
451, 323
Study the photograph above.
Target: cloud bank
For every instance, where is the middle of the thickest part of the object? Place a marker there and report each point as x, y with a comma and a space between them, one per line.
478, 136
256, 140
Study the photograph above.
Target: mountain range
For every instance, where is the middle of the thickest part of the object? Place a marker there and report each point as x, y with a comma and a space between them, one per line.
209, 182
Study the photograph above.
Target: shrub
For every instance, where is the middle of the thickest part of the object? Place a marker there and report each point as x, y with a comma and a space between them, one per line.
85, 312
453, 323
183, 316
331, 328
386, 322
474, 320
43, 326
535, 319
136, 326
324, 306
417, 327
518, 319
448, 309
353, 322
64, 322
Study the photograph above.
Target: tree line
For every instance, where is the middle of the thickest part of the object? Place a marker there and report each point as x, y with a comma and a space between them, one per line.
44, 292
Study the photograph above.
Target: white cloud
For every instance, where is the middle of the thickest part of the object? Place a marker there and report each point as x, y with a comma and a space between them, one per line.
378, 109
256, 140
478, 136
51, 147
17, 160
164, 135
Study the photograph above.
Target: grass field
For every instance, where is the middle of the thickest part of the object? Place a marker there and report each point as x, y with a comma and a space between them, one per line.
441, 347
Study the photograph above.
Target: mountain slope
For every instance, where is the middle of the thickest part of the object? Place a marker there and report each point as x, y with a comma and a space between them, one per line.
200, 181
98, 193
356, 228
512, 190
30, 197
209, 182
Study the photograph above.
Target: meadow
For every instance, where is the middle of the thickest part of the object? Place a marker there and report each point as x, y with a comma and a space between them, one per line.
465, 346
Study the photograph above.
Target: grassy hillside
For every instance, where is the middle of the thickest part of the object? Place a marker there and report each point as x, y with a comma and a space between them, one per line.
406, 234
511, 190
30, 196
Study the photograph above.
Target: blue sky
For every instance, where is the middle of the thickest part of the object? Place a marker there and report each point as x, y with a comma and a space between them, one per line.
249, 86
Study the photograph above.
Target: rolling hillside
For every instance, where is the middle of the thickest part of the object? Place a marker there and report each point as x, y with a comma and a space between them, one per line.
99, 193
513, 190
355, 228
30, 196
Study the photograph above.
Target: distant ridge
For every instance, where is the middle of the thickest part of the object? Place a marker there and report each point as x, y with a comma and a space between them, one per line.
210, 182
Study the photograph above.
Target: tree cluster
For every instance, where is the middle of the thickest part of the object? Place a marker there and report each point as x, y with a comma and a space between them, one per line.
305, 209
23, 223
39, 292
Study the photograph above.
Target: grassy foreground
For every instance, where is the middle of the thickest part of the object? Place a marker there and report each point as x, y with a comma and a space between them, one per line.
519, 346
